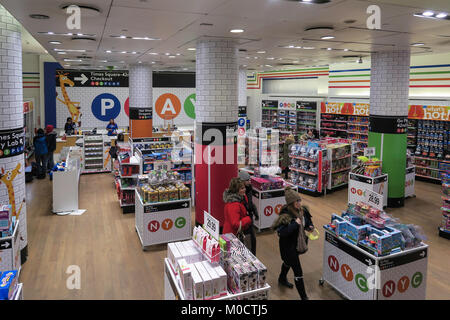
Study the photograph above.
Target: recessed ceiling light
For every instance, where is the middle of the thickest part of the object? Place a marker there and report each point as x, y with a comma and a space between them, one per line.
167, 54
418, 44
327, 37
171, 57
329, 49
192, 49
108, 51
428, 13
153, 53
271, 58
442, 15
255, 57
123, 52
153, 62
268, 65
261, 52
291, 46
55, 42
39, 16
122, 37
308, 48
140, 62
298, 47
134, 52
61, 52
237, 30
50, 32
178, 54
346, 50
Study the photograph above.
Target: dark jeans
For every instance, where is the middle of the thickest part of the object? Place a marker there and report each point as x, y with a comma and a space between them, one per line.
41, 161
252, 233
50, 162
296, 267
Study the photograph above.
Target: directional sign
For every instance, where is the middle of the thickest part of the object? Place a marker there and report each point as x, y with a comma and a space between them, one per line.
369, 152
83, 78
5, 244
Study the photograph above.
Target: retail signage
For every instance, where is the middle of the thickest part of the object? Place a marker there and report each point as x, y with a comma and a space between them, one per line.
270, 104
374, 199
242, 126
141, 113
166, 206
242, 111
215, 134
211, 225
94, 78
28, 106
11, 142
359, 184
388, 124
441, 113
351, 109
306, 105
369, 152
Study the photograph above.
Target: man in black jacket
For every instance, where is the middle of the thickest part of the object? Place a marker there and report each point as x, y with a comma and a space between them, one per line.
50, 136
250, 206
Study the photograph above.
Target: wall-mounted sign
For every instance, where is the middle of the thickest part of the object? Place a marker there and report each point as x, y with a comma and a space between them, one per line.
92, 78
28, 106
351, 109
141, 113
388, 124
441, 113
306, 105
269, 104
11, 142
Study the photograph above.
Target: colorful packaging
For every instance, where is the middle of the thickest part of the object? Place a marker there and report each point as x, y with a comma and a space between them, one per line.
215, 279
197, 283
207, 283
8, 282
222, 281
173, 255
5, 217
262, 272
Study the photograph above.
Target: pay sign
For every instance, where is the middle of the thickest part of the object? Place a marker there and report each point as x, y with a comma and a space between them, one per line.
211, 225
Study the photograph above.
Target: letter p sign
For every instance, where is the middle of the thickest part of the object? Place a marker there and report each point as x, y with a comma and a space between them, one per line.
105, 106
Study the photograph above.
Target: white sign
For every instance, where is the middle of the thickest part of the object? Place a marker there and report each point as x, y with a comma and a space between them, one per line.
369, 152
211, 225
374, 199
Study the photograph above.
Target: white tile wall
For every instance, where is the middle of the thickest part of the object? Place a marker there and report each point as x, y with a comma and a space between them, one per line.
217, 79
11, 108
390, 83
140, 83
242, 88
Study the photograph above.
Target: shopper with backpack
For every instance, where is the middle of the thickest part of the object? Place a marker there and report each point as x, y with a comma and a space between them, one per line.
40, 153
290, 225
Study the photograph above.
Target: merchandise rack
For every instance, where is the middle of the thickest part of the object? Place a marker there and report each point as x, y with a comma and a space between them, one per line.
340, 165
96, 153
126, 183
444, 228
173, 290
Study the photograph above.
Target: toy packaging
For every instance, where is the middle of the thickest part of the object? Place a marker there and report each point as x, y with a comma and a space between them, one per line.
173, 254
222, 281
5, 217
207, 281
186, 278
197, 284
8, 282
215, 279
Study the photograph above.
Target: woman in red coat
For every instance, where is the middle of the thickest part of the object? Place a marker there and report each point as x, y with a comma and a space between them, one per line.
235, 213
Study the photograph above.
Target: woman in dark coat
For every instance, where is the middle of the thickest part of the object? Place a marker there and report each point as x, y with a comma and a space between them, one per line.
292, 217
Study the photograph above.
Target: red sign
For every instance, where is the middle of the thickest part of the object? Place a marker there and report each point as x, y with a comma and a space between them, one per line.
153, 226
268, 211
333, 263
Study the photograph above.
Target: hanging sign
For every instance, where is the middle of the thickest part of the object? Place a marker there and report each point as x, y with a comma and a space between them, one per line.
141, 113
11, 142
369, 152
211, 225
441, 113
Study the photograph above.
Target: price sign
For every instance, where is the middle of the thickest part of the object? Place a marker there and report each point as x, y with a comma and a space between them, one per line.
374, 199
369, 152
211, 225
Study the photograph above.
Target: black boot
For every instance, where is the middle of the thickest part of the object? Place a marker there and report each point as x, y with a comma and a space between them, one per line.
299, 284
282, 279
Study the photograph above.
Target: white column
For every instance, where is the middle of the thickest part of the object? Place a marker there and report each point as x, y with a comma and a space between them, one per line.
141, 86
242, 87
12, 167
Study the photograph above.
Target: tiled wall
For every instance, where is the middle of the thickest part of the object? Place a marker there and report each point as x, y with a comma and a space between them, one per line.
11, 112
389, 89
217, 81
140, 83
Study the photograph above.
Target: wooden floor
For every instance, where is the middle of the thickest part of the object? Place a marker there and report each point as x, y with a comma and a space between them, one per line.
104, 244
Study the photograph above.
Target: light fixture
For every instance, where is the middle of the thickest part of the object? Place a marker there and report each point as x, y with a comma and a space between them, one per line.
270, 58
65, 34
171, 57
153, 62
261, 52
255, 57
123, 52
123, 37
153, 53
418, 44
192, 49
442, 15
140, 62
237, 30
308, 48
178, 54
291, 46
327, 37
50, 32
61, 52
167, 54
329, 49
428, 13
55, 42
185, 69
360, 60
247, 57
298, 47
108, 51
70, 50
73, 60
268, 65
39, 16
345, 50
134, 52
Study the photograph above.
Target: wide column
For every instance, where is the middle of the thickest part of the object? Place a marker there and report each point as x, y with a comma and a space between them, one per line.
242, 91
216, 114
389, 92
141, 100
12, 167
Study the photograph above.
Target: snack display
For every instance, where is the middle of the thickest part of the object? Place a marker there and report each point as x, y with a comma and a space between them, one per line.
368, 167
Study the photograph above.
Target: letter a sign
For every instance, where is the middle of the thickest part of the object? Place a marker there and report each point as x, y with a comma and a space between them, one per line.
168, 106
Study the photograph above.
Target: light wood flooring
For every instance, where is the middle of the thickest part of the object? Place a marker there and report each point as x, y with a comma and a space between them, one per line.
104, 244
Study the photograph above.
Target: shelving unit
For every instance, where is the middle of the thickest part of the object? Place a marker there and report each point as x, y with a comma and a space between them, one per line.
306, 116
444, 228
96, 157
340, 158
127, 180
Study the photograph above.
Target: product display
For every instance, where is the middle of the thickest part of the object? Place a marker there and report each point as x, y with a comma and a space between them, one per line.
8, 284
368, 167
162, 187
340, 158
374, 230
307, 166
96, 153
444, 228
5, 219
306, 116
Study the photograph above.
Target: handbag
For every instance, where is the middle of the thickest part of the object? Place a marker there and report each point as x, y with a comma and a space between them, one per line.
302, 244
244, 238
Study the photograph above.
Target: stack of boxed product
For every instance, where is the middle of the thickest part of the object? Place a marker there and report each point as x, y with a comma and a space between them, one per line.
8, 284
209, 269
163, 186
7, 221
267, 183
374, 230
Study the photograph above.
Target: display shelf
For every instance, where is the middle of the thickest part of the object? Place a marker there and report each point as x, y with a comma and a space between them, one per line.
344, 157
432, 159
427, 177
339, 185
302, 158
435, 169
333, 129
132, 176
126, 204
339, 121
303, 171
125, 188
359, 133
340, 170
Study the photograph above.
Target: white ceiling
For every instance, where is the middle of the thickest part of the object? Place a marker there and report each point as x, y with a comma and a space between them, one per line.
268, 25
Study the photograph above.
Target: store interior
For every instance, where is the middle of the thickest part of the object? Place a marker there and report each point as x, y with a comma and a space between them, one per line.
126, 127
